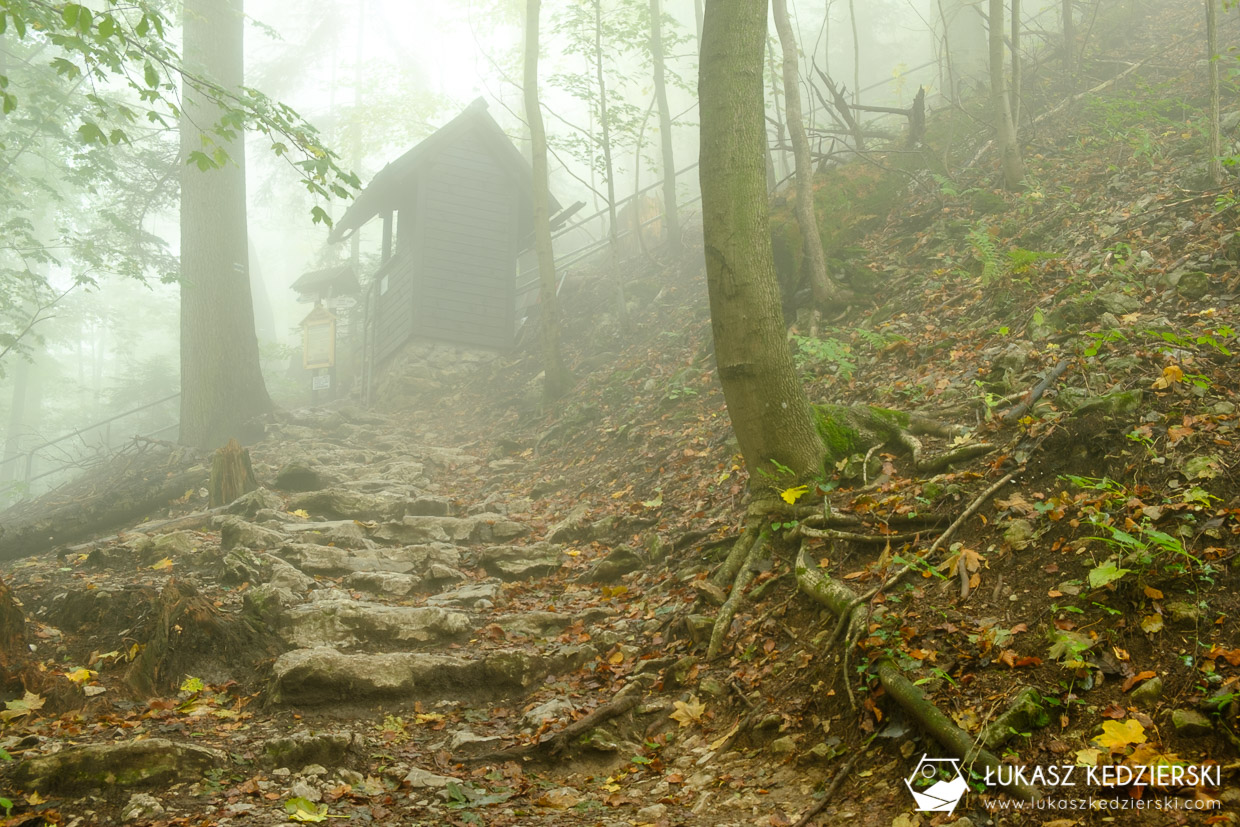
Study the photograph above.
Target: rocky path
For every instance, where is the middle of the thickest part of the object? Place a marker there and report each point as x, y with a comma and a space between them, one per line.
364, 647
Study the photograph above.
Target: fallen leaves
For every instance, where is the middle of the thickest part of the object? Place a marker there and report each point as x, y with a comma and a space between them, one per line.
1118, 736
21, 707
688, 712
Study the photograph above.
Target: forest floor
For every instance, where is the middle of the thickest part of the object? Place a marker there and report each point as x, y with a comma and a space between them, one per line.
460, 581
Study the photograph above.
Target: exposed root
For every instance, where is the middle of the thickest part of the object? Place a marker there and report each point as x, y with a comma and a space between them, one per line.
840, 600
741, 580
626, 699
963, 453
828, 796
741, 548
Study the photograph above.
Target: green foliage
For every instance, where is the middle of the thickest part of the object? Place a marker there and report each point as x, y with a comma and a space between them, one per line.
831, 352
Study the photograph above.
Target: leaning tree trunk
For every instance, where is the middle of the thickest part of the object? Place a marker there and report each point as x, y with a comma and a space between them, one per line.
1216, 142
670, 215
221, 383
1009, 151
815, 258
770, 413
556, 378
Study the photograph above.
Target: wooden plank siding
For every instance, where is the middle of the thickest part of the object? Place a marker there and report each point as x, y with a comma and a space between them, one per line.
394, 306
465, 248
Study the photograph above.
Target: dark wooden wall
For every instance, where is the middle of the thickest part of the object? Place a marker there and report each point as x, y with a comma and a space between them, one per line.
465, 247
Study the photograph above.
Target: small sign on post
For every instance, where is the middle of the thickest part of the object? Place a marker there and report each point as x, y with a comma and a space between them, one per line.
321, 382
318, 339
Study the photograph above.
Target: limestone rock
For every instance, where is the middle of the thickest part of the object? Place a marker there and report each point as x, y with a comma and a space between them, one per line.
1148, 693
248, 505
420, 779
315, 559
619, 561
521, 562
467, 596
350, 622
142, 806
342, 504
338, 533
237, 533
1190, 723
477, 528
297, 476
146, 762
302, 748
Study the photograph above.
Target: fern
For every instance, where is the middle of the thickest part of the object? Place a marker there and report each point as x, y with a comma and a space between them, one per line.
985, 251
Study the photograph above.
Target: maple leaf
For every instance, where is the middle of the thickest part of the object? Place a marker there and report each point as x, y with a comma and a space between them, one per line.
81, 675
1152, 623
791, 495
1170, 375
165, 563
304, 810
22, 706
1117, 736
688, 712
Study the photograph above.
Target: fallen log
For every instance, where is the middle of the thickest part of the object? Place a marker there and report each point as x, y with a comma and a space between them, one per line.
131, 486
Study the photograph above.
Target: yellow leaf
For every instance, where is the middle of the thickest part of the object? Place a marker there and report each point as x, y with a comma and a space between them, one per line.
572, 552
80, 675
23, 706
1152, 623
34, 799
1170, 375
1153, 593
428, 717
1119, 735
301, 512
688, 712
714, 745
1087, 757
165, 563
791, 495
616, 659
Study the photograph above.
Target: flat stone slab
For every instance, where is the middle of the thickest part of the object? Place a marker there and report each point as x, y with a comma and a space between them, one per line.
341, 533
325, 675
544, 624
477, 528
351, 622
468, 595
315, 559
342, 504
401, 585
147, 762
521, 562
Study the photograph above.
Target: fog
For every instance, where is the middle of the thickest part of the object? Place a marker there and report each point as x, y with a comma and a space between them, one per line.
374, 77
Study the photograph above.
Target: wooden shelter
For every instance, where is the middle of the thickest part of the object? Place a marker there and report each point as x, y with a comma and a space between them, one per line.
457, 209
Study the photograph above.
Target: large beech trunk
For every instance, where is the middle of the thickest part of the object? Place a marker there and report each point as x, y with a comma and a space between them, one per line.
770, 413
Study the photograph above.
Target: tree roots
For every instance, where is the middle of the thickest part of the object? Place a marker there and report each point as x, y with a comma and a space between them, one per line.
840, 600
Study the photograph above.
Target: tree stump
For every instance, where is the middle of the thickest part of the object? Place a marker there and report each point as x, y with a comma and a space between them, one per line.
231, 474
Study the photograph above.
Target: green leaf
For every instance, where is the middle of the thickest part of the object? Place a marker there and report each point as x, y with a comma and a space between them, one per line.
192, 684
318, 215
144, 26
107, 26
90, 133
70, 13
305, 810
200, 160
1105, 574
152, 77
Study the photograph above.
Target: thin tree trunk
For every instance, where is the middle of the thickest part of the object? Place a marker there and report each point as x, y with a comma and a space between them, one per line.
1013, 167
815, 258
1216, 142
12, 467
1069, 45
697, 18
852, 15
779, 114
222, 385
770, 413
622, 312
1016, 71
556, 378
670, 216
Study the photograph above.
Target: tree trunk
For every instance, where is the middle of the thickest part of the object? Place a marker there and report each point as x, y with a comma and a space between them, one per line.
852, 16
670, 216
622, 311
770, 413
1216, 142
1009, 151
556, 378
1016, 72
779, 119
815, 258
1069, 45
231, 474
221, 384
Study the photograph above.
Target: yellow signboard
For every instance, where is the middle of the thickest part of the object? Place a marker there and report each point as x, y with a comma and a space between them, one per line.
318, 339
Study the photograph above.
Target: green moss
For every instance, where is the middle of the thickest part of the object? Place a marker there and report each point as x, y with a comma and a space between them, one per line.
898, 420
840, 438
